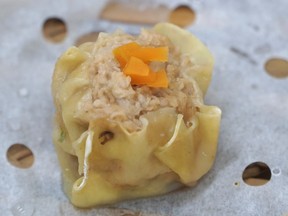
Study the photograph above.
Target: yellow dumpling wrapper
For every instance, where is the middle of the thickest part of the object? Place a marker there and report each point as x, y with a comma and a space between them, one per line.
102, 162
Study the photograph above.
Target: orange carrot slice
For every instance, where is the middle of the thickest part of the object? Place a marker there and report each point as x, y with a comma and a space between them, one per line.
133, 60
144, 80
147, 54
124, 52
136, 66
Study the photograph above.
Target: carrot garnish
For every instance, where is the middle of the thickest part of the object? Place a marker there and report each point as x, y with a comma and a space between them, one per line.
124, 52
136, 66
159, 54
134, 60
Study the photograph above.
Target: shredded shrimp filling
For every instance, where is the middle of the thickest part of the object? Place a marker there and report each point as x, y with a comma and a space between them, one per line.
113, 96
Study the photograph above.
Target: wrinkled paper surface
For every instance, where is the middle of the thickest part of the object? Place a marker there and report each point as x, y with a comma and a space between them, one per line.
242, 35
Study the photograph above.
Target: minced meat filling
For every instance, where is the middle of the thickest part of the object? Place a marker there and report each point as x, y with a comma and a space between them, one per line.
114, 98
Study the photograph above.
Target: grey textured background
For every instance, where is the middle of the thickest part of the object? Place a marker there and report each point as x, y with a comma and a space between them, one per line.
242, 35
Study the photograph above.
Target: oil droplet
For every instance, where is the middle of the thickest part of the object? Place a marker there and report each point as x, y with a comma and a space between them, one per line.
23, 92
276, 171
236, 184
22, 210
14, 125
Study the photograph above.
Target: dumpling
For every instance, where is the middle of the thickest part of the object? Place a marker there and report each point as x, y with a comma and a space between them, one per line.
121, 136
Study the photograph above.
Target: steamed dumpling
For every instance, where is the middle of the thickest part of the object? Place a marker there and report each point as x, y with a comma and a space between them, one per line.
118, 141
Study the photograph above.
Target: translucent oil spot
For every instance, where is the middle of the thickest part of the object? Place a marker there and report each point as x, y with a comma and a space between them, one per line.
23, 92
236, 184
256, 174
20, 156
277, 67
54, 29
22, 210
276, 171
90, 37
182, 16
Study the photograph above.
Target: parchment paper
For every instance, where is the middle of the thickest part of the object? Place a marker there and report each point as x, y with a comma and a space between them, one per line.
242, 35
